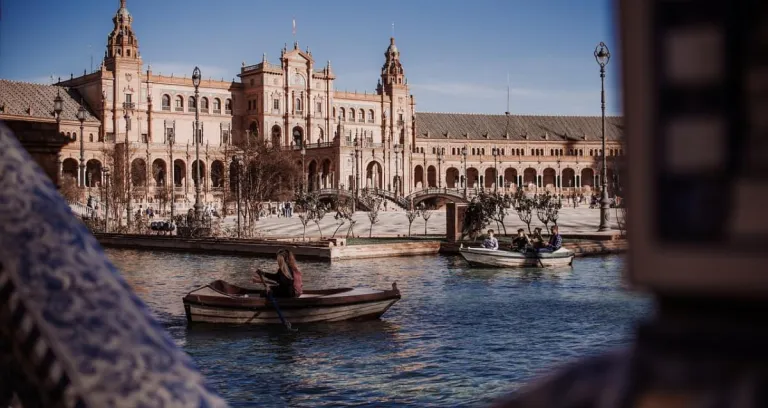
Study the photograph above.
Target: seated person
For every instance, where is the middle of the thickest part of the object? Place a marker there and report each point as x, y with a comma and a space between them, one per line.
555, 241
536, 239
521, 242
287, 281
490, 241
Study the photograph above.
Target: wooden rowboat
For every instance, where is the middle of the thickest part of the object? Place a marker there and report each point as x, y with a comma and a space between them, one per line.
514, 259
222, 302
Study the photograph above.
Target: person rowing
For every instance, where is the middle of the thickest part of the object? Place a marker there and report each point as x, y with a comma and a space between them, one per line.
287, 281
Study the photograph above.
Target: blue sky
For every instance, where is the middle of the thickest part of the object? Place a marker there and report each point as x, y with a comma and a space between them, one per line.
457, 54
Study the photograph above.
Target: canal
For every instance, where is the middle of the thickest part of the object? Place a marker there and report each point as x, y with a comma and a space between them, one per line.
459, 337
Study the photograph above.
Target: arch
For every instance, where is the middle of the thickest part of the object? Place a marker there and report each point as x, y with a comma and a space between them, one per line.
298, 136
216, 105
549, 178
179, 103
472, 177
312, 175
568, 178
159, 171
374, 175
342, 114
204, 105
179, 172
92, 173
139, 172
195, 177
233, 173
217, 174
90, 137
166, 102
228, 106
351, 114
361, 115
490, 175
371, 116
510, 177
326, 180
418, 176
529, 176
452, 177
191, 105
254, 129
587, 178
431, 176
69, 167
277, 136
298, 105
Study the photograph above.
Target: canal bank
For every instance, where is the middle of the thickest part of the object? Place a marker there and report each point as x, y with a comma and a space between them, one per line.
332, 249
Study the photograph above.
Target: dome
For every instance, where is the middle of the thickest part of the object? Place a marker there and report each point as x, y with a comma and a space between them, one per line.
392, 47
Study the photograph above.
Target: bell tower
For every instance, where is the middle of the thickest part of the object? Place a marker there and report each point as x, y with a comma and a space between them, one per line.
392, 74
122, 45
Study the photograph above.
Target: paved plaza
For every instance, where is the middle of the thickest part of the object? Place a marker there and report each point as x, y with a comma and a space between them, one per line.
580, 220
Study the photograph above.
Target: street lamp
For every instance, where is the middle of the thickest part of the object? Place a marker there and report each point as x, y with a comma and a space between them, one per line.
358, 153
440, 160
398, 183
127, 165
238, 163
602, 56
496, 153
170, 135
304, 181
57, 108
351, 186
464, 155
196, 84
105, 170
81, 118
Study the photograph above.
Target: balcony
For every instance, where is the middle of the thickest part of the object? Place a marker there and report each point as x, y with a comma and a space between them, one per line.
179, 109
166, 108
129, 105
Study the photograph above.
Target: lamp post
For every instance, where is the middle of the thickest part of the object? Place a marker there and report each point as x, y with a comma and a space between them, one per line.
558, 179
105, 170
602, 56
464, 155
440, 160
196, 84
171, 134
304, 181
58, 103
496, 153
398, 183
354, 202
127, 106
81, 118
358, 154
238, 163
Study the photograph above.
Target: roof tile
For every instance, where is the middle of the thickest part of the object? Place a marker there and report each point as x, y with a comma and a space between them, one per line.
17, 98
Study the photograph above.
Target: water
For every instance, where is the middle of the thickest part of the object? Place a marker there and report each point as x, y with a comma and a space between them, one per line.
458, 337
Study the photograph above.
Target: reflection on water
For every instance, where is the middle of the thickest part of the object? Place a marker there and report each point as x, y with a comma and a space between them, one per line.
459, 336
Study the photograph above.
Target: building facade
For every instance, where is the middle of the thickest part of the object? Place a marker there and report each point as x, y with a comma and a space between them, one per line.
364, 140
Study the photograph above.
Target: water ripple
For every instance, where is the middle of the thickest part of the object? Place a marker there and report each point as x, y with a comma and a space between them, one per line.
459, 336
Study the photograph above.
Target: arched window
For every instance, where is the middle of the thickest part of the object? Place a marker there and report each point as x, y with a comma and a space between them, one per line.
352, 115
191, 104
204, 105
342, 114
434, 150
217, 105
299, 108
166, 102
370, 116
128, 52
179, 103
228, 106
90, 137
361, 116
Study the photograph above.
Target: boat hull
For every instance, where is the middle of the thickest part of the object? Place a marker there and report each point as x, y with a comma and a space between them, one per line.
250, 307
511, 259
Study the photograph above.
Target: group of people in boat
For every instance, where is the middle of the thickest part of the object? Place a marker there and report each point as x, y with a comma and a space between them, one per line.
523, 243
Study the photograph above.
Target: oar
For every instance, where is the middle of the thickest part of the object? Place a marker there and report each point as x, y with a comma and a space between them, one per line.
286, 323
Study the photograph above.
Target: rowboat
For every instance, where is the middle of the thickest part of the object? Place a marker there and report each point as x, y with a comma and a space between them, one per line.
222, 302
515, 259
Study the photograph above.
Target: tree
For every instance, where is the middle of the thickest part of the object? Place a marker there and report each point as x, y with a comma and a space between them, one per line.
425, 213
344, 214
373, 202
411, 213
524, 207
541, 202
477, 216
499, 204
117, 157
269, 175
69, 189
553, 210
312, 210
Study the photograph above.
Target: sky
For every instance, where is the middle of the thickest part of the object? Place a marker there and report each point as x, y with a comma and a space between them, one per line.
458, 55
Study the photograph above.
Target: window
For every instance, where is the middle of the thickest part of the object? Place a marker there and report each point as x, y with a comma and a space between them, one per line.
250, 105
191, 103
351, 115
144, 138
166, 103
179, 103
276, 104
128, 99
370, 116
228, 106
342, 114
361, 116
298, 105
204, 105
319, 107
110, 137
225, 137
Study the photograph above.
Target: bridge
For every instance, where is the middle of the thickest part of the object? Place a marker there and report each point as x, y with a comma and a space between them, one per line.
450, 194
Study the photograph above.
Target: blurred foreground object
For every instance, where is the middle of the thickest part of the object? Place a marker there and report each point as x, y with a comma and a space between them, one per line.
695, 77
72, 334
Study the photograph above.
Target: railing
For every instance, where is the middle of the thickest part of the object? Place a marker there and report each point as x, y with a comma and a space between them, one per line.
217, 111
166, 108
179, 109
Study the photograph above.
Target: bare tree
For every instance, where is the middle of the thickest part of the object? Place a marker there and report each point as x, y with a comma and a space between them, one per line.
426, 212
118, 159
344, 215
373, 202
411, 214
69, 189
524, 207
